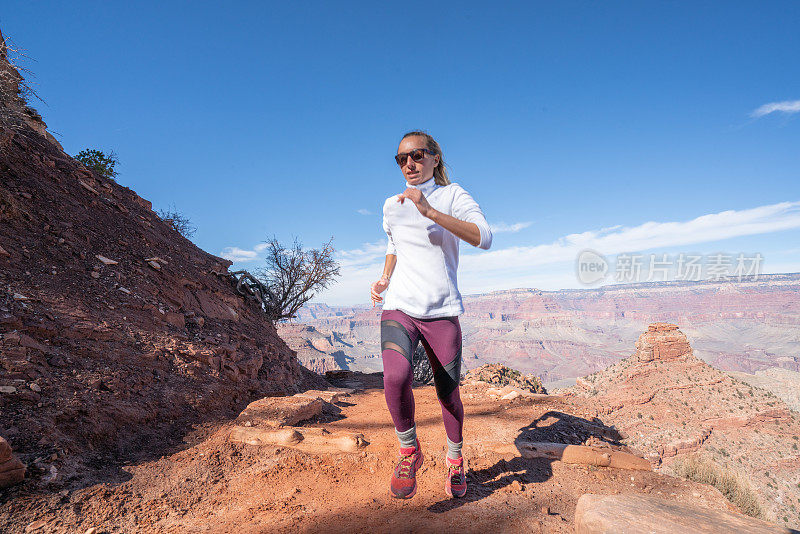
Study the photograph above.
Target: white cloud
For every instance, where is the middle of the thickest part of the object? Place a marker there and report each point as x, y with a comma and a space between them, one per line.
646, 236
502, 227
238, 255
551, 265
367, 254
363, 211
787, 106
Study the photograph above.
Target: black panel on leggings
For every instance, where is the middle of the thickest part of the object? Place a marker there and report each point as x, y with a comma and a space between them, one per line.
395, 336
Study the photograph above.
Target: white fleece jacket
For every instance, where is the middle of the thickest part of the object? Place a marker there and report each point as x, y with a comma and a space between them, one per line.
424, 283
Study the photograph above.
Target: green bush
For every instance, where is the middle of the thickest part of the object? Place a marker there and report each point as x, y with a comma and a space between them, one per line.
99, 162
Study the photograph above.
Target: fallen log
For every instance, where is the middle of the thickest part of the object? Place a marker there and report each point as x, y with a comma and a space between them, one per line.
583, 455
572, 454
312, 440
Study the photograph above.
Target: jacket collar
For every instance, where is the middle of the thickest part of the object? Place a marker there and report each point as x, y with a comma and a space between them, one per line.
426, 188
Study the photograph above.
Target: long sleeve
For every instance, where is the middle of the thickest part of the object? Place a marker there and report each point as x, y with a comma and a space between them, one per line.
466, 209
390, 248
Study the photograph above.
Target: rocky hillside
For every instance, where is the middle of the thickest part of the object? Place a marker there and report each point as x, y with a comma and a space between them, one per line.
116, 333
675, 408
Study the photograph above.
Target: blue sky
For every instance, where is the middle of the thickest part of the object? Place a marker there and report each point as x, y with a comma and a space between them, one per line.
574, 125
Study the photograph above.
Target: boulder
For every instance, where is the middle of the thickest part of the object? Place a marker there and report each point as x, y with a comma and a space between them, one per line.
12, 471
633, 514
280, 411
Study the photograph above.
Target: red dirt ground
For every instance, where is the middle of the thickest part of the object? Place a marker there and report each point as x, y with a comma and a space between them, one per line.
214, 485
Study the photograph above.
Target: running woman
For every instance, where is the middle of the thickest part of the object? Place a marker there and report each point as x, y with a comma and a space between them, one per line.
425, 224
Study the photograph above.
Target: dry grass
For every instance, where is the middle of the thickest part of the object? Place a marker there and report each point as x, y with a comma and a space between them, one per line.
735, 487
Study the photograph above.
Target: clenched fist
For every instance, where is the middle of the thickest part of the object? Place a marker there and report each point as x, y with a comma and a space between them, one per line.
377, 288
419, 200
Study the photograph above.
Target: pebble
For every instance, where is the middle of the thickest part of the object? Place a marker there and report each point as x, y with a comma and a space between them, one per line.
8, 389
510, 396
545, 510
35, 387
106, 261
36, 525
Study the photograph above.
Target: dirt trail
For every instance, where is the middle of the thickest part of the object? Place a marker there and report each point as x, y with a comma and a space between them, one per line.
220, 486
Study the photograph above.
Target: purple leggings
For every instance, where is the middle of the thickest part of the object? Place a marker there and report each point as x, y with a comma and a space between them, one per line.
442, 341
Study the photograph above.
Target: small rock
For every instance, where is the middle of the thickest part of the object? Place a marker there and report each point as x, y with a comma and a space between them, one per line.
3, 252
545, 510
36, 525
94, 274
88, 187
125, 290
516, 486
8, 389
26, 195
155, 265
510, 396
157, 260
18, 296
35, 387
91, 530
106, 261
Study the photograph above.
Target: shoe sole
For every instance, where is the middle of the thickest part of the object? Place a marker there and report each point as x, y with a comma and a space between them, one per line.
414, 492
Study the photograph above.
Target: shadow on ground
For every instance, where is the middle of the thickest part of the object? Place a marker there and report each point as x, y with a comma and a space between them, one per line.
552, 426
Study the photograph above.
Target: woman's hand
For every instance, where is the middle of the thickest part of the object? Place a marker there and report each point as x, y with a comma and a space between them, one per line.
377, 288
416, 196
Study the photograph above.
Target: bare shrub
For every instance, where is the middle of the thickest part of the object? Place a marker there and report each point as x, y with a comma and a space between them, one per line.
735, 487
178, 221
292, 276
423, 372
15, 91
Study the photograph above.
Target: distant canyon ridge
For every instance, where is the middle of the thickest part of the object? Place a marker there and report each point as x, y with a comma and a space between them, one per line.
747, 326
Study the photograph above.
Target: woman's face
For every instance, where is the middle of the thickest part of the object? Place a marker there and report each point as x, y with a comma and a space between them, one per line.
417, 172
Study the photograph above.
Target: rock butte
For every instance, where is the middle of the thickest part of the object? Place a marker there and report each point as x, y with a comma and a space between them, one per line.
676, 408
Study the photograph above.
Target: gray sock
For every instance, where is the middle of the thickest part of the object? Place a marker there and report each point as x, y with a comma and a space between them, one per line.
408, 438
454, 449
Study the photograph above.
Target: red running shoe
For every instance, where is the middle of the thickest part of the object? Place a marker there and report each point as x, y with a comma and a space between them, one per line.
404, 478
456, 483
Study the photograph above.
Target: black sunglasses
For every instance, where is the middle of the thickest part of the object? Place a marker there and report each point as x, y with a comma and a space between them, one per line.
417, 155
